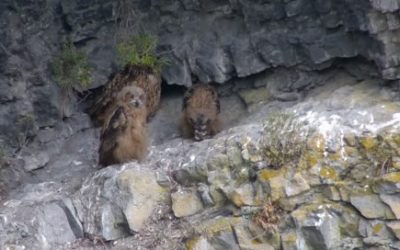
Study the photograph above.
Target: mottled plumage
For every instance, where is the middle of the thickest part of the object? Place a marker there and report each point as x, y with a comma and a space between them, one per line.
201, 110
124, 134
142, 77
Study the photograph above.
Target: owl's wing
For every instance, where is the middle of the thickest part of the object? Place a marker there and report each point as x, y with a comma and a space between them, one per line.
214, 94
112, 129
188, 94
103, 101
215, 97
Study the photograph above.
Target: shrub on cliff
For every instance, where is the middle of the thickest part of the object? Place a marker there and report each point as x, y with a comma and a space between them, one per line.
72, 73
285, 139
140, 50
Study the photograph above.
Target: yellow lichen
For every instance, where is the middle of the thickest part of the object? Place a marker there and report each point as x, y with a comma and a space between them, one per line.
191, 243
350, 151
290, 238
214, 226
368, 142
396, 139
328, 173
316, 143
312, 159
377, 228
392, 177
335, 156
267, 174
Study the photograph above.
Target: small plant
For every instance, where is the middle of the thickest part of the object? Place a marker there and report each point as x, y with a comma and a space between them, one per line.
269, 216
2, 156
72, 72
140, 50
285, 139
25, 124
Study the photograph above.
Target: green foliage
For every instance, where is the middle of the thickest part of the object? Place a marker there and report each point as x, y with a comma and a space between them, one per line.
285, 139
2, 156
25, 124
71, 69
140, 50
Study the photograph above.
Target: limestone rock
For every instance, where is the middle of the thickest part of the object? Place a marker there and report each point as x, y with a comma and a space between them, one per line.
116, 199
389, 183
255, 96
371, 206
296, 185
374, 228
246, 240
41, 210
34, 162
395, 228
319, 227
393, 201
240, 196
199, 244
186, 203
142, 192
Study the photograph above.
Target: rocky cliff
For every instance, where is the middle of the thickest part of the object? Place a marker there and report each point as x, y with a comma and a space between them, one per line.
215, 41
309, 155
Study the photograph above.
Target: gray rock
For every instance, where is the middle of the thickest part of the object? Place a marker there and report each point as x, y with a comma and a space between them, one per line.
296, 185
394, 226
319, 227
186, 203
386, 6
34, 162
374, 228
41, 218
200, 244
225, 240
114, 200
393, 201
371, 206
246, 240
54, 227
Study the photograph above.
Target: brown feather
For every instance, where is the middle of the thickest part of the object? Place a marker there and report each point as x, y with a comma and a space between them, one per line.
201, 108
142, 77
124, 135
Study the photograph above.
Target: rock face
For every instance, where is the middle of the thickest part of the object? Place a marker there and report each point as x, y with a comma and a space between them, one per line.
214, 41
341, 192
337, 182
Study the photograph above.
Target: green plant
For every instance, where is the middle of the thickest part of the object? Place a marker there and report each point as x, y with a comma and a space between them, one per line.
140, 50
71, 69
72, 73
25, 124
2, 156
285, 139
